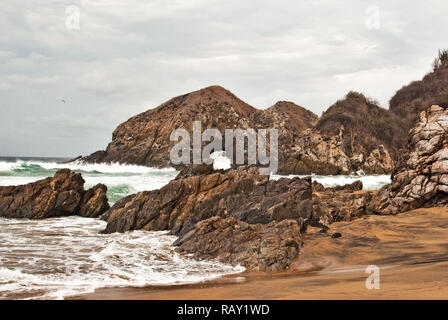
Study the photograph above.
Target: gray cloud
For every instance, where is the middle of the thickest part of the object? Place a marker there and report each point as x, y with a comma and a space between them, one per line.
129, 56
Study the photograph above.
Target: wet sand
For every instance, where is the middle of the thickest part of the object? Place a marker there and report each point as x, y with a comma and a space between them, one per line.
411, 250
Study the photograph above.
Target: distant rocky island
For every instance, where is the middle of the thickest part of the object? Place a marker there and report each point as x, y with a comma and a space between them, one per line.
352, 135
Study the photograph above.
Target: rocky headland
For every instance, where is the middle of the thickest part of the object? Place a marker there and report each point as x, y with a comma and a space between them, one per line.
352, 135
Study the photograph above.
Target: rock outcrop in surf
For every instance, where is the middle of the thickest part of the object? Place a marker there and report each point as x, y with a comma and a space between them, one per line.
58, 196
242, 193
252, 219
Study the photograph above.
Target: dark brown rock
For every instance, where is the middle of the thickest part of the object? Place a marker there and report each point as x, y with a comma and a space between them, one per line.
194, 170
351, 187
61, 195
94, 202
242, 193
336, 235
271, 246
421, 178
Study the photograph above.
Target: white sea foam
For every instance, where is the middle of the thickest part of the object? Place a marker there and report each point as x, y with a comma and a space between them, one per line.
65, 256
114, 167
9, 166
105, 167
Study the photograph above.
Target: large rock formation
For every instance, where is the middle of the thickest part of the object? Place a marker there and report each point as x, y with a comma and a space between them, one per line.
236, 216
354, 134
271, 246
242, 193
145, 138
421, 178
61, 195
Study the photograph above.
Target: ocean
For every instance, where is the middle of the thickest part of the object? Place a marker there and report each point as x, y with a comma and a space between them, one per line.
55, 258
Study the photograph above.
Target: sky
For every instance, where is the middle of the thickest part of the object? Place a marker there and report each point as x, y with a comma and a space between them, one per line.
70, 72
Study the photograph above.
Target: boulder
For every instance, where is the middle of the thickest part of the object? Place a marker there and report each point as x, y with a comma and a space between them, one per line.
61, 195
339, 203
351, 187
333, 206
94, 202
421, 177
271, 246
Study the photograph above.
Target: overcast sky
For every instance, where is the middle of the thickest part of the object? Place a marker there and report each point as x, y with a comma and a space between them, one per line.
129, 56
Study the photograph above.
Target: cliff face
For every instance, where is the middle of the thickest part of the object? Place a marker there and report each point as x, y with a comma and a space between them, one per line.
354, 134
421, 178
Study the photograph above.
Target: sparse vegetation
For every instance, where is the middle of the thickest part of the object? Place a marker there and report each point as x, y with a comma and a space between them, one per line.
441, 60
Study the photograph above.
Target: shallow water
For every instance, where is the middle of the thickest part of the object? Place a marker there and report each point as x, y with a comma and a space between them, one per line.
58, 257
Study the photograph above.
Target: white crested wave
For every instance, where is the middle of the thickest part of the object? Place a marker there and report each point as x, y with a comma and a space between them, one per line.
58, 257
121, 179
106, 168
113, 167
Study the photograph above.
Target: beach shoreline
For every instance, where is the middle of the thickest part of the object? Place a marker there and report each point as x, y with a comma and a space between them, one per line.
412, 266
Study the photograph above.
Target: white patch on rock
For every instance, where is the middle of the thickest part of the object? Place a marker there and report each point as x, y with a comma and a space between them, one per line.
220, 161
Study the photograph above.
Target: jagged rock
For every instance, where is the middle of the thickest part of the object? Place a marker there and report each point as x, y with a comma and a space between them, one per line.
343, 203
354, 134
242, 193
94, 202
351, 187
421, 178
194, 170
339, 203
61, 195
271, 246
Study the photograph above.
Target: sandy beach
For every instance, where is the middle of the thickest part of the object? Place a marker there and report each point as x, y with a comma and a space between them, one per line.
410, 249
